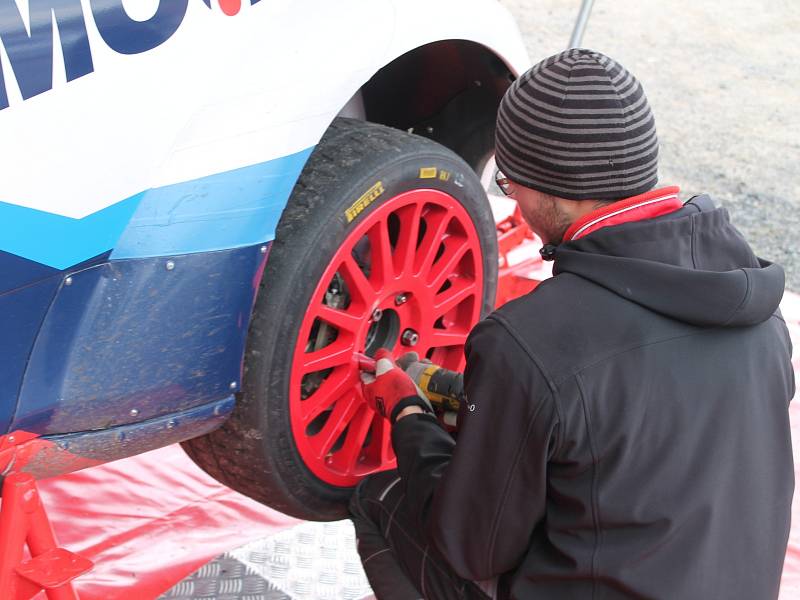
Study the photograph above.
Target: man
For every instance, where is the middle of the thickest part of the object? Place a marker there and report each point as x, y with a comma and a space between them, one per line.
627, 431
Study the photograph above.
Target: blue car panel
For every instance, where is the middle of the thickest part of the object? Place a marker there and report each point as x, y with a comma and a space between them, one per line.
125, 341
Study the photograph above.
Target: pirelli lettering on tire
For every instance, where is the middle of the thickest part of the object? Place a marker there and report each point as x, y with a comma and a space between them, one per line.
364, 201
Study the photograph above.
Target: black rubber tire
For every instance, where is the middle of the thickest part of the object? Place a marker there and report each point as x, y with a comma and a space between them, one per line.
254, 451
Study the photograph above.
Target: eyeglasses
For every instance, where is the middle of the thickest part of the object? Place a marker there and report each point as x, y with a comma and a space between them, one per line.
503, 182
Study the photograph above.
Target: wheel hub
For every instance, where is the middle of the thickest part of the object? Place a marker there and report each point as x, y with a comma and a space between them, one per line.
382, 332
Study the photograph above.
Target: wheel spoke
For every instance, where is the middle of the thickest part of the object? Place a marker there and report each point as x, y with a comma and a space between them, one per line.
340, 417
340, 319
406, 248
437, 225
338, 353
452, 297
454, 250
348, 456
383, 430
440, 337
381, 251
332, 389
356, 281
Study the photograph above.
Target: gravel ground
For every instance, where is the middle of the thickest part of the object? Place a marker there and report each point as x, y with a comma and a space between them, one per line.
724, 87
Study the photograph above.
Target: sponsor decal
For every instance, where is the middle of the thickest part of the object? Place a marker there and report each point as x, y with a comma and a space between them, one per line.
229, 7
427, 172
363, 202
30, 47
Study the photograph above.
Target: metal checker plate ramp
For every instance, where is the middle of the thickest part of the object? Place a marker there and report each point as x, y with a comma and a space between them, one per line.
312, 561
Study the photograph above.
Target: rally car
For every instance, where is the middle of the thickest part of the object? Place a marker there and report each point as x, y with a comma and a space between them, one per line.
209, 206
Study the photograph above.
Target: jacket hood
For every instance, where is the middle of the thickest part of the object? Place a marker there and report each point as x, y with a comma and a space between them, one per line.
691, 265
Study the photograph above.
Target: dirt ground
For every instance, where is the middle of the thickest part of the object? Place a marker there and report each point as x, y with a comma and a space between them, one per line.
724, 83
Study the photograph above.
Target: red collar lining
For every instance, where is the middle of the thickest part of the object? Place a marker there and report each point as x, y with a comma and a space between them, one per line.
636, 208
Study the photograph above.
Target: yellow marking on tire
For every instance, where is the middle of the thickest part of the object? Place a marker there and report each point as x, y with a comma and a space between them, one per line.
427, 173
364, 201
444, 175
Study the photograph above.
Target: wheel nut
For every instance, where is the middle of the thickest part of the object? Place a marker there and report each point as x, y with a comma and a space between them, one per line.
400, 299
377, 314
409, 338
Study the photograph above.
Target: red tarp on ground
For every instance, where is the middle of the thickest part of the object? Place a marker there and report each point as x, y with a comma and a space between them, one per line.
150, 520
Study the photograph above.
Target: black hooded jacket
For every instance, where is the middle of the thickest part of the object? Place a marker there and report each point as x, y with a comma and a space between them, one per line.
626, 430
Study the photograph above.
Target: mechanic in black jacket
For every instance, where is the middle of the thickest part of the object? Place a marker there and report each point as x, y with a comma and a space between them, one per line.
627, 430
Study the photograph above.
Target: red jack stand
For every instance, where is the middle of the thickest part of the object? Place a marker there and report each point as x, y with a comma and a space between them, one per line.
23, 521
514, 280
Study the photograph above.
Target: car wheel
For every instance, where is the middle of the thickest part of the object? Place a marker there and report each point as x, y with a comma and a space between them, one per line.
388, 240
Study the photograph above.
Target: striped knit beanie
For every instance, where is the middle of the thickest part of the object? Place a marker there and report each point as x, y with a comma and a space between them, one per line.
578, 126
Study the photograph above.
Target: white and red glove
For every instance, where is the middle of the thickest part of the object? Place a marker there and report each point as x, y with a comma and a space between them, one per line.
389, 390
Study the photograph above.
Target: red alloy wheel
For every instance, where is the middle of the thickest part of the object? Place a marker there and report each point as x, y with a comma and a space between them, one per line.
408, 277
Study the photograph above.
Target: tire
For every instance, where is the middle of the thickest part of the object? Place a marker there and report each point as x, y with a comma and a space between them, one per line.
364, 185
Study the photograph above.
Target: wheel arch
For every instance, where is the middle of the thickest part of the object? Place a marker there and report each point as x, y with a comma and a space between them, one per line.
446, 90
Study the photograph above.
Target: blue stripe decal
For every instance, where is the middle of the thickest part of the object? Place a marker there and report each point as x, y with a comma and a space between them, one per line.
59, 241
228, 210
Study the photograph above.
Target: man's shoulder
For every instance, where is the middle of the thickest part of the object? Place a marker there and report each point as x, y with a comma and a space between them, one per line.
569, 321
558, 300
553, 319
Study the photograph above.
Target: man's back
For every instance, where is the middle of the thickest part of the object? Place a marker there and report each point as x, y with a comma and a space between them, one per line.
625, 429
670, 465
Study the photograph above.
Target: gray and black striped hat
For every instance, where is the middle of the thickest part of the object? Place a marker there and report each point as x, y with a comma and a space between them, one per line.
577, 125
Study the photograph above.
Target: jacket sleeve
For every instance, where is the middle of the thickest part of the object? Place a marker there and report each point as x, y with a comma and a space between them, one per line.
480, 500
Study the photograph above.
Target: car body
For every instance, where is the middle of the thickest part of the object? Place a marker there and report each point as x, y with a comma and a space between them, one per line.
150, 148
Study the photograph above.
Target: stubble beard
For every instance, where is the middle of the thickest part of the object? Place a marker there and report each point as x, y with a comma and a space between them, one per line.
548, 221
